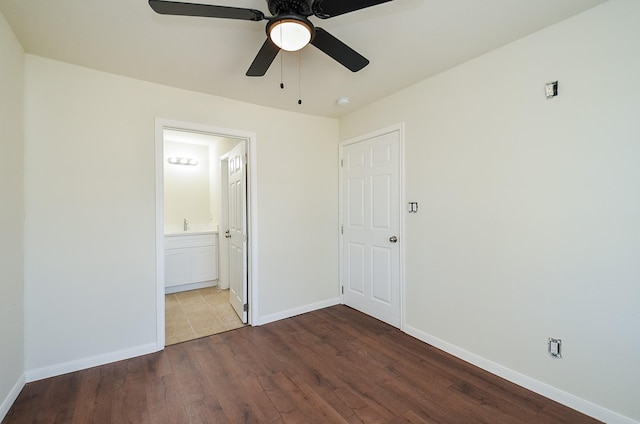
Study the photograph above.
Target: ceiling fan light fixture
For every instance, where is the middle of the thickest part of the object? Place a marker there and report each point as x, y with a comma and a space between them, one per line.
290, 34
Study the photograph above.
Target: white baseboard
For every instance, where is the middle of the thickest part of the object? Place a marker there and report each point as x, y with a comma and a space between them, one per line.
297, 311
93, 361
12, 396
596, 411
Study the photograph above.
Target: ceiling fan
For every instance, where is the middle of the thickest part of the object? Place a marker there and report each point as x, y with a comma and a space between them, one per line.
288, 28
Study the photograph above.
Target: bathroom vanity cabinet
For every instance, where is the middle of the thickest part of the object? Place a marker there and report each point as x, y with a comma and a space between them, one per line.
191, 261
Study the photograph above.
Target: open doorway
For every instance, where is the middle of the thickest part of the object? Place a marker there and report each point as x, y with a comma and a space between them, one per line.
199, 275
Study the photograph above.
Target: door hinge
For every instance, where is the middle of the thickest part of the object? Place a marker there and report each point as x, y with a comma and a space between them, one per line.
245, 307
341, 163
342, 229
342, 289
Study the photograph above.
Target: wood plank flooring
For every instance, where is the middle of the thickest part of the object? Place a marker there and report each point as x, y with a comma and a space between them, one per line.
335, 365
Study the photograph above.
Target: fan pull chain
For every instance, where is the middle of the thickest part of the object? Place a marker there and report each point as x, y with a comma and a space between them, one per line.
281, 73
299, 78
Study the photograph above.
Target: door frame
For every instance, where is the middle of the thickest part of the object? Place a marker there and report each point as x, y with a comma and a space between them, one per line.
252, 213
401, 181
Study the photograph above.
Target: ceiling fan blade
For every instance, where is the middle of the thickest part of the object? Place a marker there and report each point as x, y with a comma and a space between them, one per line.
339, 51
329, 8
263, 59
205, 10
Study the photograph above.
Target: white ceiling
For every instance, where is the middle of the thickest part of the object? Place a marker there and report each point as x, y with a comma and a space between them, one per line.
405, 40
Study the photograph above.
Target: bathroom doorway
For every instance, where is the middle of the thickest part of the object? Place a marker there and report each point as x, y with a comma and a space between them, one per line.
194, 270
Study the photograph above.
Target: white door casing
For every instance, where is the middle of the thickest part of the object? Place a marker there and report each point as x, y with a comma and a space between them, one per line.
247, 138
237, 220
370, 204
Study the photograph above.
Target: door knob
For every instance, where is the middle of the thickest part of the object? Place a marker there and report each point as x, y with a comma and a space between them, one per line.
393, 239
227, 234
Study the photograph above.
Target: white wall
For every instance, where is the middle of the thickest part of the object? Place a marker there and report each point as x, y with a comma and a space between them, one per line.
186, 188
529, 224
11, 217
90, 209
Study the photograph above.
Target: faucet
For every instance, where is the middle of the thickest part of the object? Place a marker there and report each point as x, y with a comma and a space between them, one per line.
185, 225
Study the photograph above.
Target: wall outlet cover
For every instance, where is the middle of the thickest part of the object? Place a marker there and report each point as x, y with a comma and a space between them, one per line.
551, 89
555, 348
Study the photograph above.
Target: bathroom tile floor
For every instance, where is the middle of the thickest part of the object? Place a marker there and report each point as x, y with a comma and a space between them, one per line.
198, 313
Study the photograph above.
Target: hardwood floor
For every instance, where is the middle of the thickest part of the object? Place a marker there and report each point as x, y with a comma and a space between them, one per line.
335, 365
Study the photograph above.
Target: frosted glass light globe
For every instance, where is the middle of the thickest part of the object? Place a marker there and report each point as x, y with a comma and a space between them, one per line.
290, 35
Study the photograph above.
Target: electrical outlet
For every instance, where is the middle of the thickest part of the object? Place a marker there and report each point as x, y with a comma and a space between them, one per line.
551, 89
555, 348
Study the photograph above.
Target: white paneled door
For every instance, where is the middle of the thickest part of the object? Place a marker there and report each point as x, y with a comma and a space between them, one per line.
237, 231
370, 226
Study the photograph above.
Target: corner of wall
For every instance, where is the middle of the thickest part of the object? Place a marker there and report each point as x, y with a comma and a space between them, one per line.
12, 69
11, 397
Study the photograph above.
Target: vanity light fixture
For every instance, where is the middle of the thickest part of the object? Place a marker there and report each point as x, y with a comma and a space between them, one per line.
173, 160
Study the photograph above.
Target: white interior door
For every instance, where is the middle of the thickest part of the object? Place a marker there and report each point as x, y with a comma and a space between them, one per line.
236, 234
370, 226
223, 252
